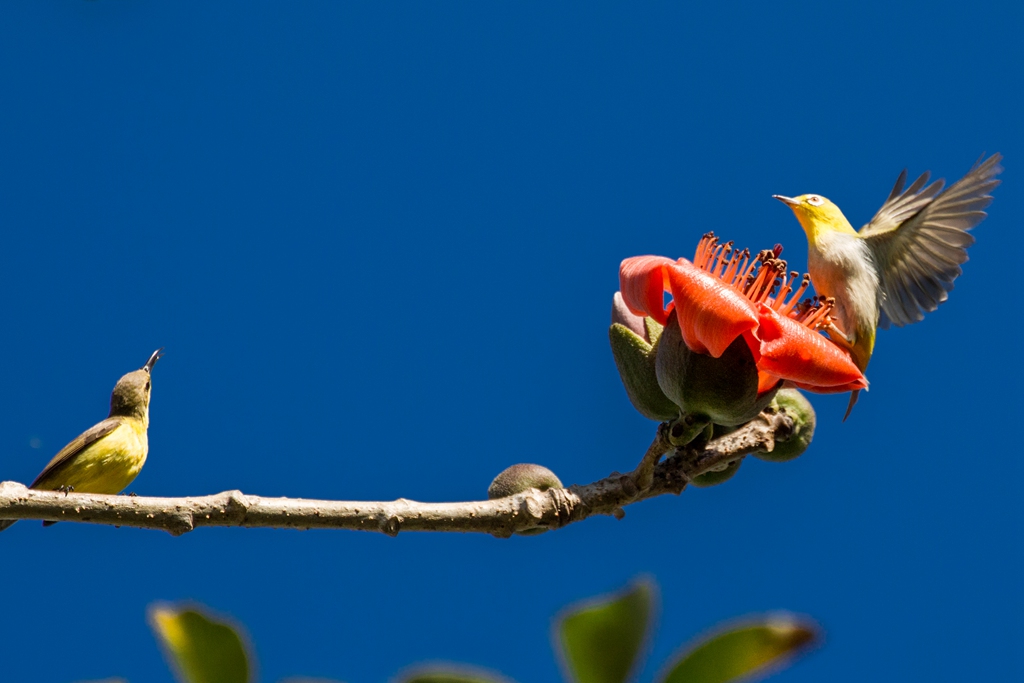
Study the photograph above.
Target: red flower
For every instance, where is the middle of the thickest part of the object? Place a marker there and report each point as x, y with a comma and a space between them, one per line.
724, 294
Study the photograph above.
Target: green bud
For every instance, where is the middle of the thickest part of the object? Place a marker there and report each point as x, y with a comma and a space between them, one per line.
522, 477
712, 478
635, 358
787, 447
722, 389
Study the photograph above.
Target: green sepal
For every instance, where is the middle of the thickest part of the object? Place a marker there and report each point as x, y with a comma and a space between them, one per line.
654, 330
787, 447
601, 640
200, 649
723, 389
743, 650
715, 478
635, 359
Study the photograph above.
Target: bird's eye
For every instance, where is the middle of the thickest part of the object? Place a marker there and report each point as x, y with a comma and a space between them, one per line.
814, 200
147, 386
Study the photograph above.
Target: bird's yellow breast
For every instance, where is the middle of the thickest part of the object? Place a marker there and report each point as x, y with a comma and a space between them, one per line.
105, 466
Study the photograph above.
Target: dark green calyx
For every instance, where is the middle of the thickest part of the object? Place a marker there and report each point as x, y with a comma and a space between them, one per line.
714, 478
722, 389
522, 477
635, 359
792, 444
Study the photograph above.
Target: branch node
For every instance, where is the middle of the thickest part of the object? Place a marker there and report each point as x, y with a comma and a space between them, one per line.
237, 505
179, 523
12, 488
568, 506
390, 525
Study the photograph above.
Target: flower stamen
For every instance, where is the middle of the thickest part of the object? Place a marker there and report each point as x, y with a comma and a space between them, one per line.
795, 299
763, 280
723, 261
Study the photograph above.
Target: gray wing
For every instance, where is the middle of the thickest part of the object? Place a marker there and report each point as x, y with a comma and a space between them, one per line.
919, 239
77, 445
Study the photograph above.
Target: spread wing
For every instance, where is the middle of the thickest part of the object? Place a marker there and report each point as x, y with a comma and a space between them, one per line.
919, 239
52, 471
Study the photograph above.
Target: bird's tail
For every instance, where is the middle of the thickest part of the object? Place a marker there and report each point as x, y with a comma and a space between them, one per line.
860, 351
4, 523
853, 401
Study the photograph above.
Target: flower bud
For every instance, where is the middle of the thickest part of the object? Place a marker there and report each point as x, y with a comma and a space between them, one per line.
715, 477
634, 358
789, 446
724, 389
522, 477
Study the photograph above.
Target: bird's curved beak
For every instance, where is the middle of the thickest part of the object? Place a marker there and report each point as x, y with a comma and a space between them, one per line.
786, 200
148, 367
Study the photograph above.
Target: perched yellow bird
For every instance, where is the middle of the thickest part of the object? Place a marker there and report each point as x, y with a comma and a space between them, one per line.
902, 263
108, 456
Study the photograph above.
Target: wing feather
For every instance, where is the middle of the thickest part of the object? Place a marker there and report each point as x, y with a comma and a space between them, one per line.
919, 239
77, 445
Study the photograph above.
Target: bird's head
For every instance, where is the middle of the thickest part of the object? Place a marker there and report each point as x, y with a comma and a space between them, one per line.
130, 397
817, 215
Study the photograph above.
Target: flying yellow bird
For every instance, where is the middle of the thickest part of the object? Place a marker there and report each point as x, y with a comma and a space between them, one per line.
108, 456
902, 263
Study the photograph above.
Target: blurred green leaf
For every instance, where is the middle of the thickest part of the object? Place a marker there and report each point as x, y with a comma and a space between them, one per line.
201, 650
450, 673
753, 647
600, 639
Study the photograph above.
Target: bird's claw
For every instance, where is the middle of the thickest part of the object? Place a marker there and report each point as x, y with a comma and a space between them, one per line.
65, 489
837, 333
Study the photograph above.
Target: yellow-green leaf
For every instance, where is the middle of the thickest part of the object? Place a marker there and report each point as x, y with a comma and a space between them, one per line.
601, 639
754, 647
200, 649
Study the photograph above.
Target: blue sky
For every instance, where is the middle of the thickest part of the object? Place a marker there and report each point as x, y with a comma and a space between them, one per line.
380, 241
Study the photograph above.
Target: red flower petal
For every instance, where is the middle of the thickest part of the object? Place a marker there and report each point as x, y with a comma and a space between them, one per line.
841, 389
766, 381
642, 283
711, 313
792, 351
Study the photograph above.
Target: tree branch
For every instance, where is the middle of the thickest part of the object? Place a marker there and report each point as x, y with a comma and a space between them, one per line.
533, 509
